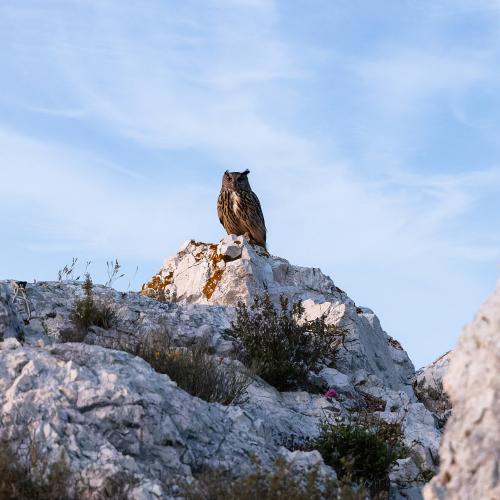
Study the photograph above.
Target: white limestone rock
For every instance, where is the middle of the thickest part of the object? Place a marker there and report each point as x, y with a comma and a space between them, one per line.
197, 291
432, 375
331, 377
234, 270
302, 462
428, 387
406, 479
470, 451
10, 343
110, 413
231, 247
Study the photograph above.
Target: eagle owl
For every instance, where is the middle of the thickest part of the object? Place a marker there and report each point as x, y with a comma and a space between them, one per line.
239, 208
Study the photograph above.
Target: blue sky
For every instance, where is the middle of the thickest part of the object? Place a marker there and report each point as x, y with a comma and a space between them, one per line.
370, 129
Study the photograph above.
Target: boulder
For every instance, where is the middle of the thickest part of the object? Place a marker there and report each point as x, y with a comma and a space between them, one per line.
110, 414
470, 451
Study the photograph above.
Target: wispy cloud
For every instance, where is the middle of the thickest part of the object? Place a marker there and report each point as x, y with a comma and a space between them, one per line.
103, 99
408, 80
65, 113
202, 85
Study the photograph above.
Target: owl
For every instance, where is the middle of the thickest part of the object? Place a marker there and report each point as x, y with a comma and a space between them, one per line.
239, 208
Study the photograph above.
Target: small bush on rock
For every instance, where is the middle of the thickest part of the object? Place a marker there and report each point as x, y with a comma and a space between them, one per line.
39, 482
279, 483
279, 345
89, 312
363, 450
193, 369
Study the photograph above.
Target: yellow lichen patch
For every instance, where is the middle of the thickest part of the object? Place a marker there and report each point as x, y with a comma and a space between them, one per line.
156, 287
201, 253
212, 283
155, 282
214, 259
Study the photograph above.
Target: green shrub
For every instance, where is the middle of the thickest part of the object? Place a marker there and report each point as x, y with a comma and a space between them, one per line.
193, 369
426, 475
36, 482
363, 450
89, 312
279, 483
279, 345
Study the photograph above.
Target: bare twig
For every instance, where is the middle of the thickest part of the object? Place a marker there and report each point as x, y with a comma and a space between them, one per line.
66, 272
20, 290
133, 278
113, 270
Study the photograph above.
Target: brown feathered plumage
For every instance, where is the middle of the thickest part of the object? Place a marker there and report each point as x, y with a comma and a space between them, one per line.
239, 208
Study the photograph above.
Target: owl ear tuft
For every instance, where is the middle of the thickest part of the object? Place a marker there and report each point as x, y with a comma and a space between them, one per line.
226, 172
246, 172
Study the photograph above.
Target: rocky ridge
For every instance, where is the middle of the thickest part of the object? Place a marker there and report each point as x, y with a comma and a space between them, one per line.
110, 412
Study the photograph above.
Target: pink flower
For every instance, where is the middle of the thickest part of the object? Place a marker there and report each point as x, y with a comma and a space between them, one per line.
331, 393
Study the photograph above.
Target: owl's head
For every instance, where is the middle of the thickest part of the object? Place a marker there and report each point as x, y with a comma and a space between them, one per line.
236, 181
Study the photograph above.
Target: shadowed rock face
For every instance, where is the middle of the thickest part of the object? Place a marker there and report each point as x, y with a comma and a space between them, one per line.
470, 452
111, 412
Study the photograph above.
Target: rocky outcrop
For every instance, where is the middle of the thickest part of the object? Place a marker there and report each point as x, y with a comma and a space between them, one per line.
145, 424
234, 271
428, 387
470, 451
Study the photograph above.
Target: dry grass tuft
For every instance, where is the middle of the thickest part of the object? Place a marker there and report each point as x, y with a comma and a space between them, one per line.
279, 483
194, 369
39, 481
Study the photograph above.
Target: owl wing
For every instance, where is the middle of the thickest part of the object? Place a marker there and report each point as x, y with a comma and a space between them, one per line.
254, 218
257, 209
